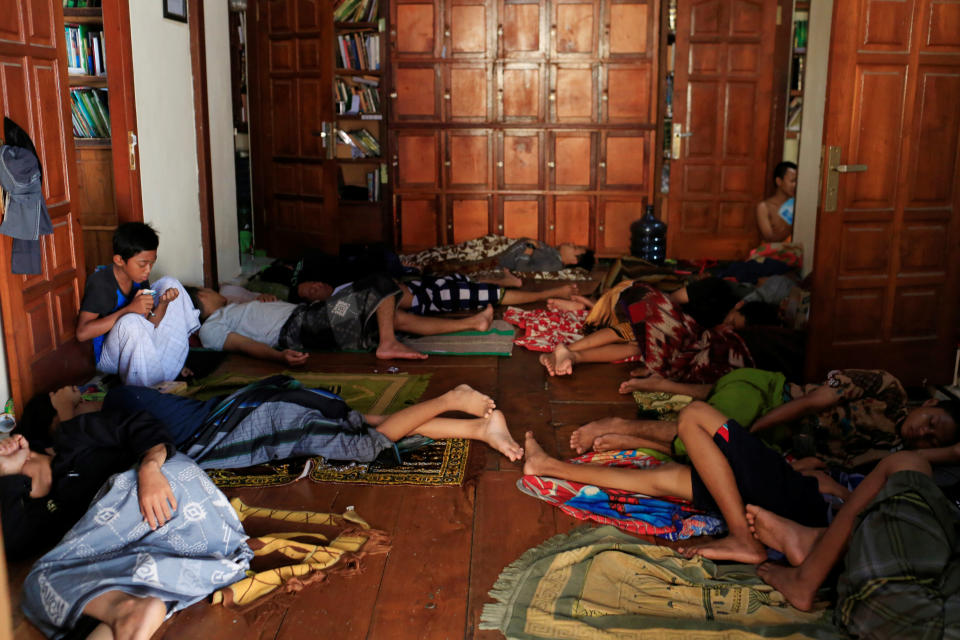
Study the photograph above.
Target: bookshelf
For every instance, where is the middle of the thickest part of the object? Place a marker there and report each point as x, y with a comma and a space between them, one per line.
102, 113
359, 105
798, 58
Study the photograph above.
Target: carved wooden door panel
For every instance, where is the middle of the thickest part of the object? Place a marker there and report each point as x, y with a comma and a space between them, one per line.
40, 311
887, 258
295, 185
722, 88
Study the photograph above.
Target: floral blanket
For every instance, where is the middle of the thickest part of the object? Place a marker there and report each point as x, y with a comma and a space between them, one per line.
545, 330
636, 513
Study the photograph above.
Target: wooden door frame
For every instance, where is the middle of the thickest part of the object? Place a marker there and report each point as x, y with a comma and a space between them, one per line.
201, 110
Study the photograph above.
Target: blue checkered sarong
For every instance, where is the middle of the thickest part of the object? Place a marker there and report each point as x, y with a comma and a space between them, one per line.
451, 293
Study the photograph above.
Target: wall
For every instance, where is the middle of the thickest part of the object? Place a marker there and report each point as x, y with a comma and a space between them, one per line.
220, 106
811, 129
163, 83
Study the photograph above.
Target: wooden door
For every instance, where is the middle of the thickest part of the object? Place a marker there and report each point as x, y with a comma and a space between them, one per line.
722, 97
888, 253
40, 311
295, 184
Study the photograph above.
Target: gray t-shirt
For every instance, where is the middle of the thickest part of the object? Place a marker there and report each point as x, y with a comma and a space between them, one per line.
260, 321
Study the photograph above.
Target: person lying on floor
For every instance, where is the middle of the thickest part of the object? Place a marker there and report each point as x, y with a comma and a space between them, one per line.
897, 535
728, 468
117, 567
687, 334
76, 445
853, 418
138, 332
361, 316
492, 252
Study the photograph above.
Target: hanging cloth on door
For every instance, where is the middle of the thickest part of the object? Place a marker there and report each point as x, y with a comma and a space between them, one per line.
25, 215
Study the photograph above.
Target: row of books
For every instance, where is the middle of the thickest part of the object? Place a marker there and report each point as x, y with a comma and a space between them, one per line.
362, 143
85, 55
373, 186
357, 95
355, 11
358, 50
90, 112
80, 4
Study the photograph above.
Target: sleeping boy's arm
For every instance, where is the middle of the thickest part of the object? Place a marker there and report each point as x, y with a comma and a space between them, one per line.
942, 455
814, 402
255, 349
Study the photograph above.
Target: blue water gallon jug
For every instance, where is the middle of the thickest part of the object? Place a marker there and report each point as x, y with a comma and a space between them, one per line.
648, 238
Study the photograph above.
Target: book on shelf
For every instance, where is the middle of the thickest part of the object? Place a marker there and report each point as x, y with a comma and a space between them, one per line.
357, 95
358, 50
355, 11
361, 142
90, 113
80, 4
85, 55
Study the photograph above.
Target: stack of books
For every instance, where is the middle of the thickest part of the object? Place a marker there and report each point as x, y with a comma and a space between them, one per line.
90, 112
362, 143
355, 11
358, 95
85, 50
373, 186
80, 4
358, 50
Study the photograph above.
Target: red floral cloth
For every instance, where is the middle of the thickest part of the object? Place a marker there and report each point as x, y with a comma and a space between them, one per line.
544, 330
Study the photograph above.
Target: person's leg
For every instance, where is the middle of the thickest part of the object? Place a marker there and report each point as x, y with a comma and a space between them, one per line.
129, 617
407, 420
799, 584
433, 325
668, 479
698, 423
491, 429
514, 296
388, 346
655, 382
604, 345
658, 433
172, 335
129, 351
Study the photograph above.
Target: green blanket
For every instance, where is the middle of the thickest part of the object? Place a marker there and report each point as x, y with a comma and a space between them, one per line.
604, 583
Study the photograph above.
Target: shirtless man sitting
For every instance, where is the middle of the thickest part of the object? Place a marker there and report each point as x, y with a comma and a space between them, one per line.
775, 214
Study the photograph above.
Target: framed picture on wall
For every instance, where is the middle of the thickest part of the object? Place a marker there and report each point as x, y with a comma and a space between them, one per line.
175, 10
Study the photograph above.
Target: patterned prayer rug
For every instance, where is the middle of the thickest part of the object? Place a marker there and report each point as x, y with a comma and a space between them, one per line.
603, 583
495, 341
660, 405
441, 463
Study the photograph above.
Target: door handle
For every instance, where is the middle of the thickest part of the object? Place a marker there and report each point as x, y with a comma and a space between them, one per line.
834, 169
678, 136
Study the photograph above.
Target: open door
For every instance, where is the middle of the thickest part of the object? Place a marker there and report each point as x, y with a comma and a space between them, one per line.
40, 311
723, 87
887, 260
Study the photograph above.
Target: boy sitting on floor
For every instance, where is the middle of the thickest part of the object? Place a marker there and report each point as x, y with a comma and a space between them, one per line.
139, 333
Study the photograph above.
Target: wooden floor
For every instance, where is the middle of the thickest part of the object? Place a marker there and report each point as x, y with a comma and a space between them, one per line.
449, 544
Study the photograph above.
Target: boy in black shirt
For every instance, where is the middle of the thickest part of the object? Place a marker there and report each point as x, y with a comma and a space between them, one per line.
140, 333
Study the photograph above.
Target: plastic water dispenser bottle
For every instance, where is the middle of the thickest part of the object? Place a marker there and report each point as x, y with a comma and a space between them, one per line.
648, 238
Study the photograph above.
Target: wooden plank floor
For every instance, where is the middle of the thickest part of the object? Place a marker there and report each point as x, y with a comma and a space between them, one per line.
449, 544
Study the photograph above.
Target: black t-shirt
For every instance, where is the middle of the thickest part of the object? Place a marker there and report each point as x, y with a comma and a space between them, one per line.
103, 296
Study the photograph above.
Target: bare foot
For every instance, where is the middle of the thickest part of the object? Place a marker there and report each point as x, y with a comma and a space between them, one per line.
564, 291
396, 349
482, 321
558, 304
640, 372
790, 582
465, 398
549, 360
137, 618
746, 550
563, 361
496, 434
620, 442
536, 460
786, 536
583, 438
648, 383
